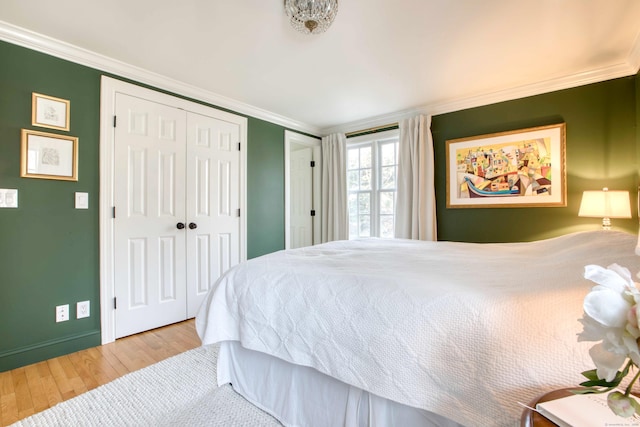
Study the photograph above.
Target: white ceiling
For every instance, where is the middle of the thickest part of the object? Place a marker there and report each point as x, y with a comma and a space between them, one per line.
379, 59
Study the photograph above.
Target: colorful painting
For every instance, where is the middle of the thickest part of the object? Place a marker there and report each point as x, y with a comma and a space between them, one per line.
520, 168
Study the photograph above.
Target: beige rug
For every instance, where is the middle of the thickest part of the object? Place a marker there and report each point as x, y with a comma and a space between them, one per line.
179, 391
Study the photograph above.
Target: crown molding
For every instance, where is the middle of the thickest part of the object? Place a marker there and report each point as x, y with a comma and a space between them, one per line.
45, 44
634, 55
41, 43
447, 106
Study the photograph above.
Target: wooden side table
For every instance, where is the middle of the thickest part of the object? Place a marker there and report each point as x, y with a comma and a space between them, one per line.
532, 418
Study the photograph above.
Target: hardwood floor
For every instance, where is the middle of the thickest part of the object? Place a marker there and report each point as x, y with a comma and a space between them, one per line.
34, 388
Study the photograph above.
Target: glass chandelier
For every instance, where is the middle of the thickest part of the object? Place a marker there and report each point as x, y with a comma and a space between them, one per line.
311, 16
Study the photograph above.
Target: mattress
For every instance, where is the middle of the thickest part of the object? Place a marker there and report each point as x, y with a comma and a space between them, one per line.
462, 330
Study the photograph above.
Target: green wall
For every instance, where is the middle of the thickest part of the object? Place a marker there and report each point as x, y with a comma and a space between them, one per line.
601, 151
49, 251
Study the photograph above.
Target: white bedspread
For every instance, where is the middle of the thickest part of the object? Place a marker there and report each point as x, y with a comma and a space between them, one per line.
463, 330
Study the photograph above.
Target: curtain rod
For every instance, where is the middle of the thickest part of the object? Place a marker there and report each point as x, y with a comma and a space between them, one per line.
371, 130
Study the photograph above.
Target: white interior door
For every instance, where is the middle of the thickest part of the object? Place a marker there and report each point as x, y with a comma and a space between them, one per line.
213, 187
302, 190
149, 196
301, 184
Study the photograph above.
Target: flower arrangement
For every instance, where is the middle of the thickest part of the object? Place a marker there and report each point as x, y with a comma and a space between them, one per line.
611, 312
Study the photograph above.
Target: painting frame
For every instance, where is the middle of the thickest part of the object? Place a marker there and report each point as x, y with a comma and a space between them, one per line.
50, 112
512, 169
46, 155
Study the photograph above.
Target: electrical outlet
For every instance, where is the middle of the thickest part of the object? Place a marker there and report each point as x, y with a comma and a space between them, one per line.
82, 309
62, 313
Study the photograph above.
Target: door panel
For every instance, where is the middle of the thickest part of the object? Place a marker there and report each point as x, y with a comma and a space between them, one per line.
213, 177
301, 185
149, 196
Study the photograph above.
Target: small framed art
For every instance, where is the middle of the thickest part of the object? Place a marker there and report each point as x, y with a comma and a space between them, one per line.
48, 156
50, 112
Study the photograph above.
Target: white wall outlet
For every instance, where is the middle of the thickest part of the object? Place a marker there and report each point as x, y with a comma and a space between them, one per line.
82, 200
8, 198
62, 313
83, 309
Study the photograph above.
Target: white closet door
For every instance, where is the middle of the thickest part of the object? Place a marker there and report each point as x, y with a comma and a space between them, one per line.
149, 195
213, 186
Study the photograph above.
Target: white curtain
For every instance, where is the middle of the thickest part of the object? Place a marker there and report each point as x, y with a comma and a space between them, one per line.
335, 212
416, 198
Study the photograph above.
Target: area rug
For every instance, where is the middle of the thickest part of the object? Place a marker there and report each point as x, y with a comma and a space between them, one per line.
179, 391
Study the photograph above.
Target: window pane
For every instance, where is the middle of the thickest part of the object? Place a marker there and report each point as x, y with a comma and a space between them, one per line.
353, 203
353, 158
365, 179
353, 178
365, 226
386, 226
353, 226
365, 157
388, 178
388, 154
386, 203
364, 203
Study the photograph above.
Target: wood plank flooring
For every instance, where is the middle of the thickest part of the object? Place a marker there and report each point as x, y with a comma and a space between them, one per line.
34, 388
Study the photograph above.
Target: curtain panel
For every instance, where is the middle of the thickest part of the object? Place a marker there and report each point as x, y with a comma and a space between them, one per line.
415, 197
335, 212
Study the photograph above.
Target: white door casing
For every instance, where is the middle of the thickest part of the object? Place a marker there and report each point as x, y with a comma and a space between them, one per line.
302, 189
226, 127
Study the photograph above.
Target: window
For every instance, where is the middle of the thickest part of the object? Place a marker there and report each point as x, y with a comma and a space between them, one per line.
372, 164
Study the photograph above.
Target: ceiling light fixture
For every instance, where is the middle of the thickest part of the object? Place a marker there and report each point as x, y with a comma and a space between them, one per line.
311, 16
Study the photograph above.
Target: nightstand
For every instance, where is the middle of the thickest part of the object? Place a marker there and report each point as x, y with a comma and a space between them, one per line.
533, 419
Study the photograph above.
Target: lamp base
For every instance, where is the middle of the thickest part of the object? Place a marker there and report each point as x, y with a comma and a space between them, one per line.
606, 223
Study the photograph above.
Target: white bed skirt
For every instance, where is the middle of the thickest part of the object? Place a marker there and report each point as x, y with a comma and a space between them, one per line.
301, 396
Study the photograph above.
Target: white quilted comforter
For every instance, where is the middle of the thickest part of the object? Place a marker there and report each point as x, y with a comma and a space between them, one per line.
464, 330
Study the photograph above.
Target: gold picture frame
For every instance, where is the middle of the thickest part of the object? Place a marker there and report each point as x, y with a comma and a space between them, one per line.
521, 168
50, 112
48, 156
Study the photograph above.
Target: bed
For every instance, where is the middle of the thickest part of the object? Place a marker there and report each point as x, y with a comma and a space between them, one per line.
379, 332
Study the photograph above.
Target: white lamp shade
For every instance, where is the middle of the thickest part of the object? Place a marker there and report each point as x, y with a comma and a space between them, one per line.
605, 204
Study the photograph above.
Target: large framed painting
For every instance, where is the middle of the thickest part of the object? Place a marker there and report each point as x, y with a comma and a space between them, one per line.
522, 168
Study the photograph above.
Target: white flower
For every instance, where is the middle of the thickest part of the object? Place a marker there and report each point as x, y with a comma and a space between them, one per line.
611, 315
622, 405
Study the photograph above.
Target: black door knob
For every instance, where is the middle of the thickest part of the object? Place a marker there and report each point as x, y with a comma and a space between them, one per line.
193, 225
180, 225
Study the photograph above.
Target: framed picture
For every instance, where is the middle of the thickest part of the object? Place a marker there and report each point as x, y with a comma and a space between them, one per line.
49, 112
48, 156
522, 168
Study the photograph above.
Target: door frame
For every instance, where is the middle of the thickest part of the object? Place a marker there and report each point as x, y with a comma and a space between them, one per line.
290, 138
109, 87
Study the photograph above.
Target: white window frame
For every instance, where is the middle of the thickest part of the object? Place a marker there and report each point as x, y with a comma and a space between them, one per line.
374, 140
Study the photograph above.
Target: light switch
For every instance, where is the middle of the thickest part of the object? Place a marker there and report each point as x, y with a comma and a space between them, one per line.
82, 200
8, 198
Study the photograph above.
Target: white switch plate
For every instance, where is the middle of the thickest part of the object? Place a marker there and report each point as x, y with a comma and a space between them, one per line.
83, 309
82, 200
62, 313
8, 198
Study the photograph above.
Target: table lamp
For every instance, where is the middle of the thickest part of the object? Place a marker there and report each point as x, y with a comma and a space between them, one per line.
605, 204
